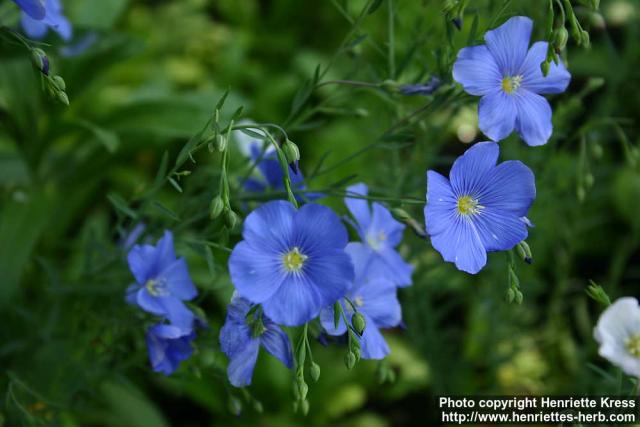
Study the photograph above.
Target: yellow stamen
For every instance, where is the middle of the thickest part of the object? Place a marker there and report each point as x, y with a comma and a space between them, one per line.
511, 84
467, 205
633, 345
294, 260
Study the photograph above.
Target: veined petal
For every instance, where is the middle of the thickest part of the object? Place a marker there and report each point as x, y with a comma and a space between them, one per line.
461, 245
556, 80
372, 342
277, 343
509, 44
509, 187
34, 8
439, 211
384, 227
318, 220
296, 302
379, 302
270, 226
255, 274
497, 115
361, 256
499, 230
241, 364
177, 313
179, 284
396, 269
534, 117
165, 254
142, 262
476, 70
359, 208
469, 170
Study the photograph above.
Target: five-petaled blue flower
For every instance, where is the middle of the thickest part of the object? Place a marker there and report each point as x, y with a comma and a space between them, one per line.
34, 8
243, 334
37, 26
168, 345
271, 175
374, 297
162, 282
380, 233
481, 208
292, 262
506, 73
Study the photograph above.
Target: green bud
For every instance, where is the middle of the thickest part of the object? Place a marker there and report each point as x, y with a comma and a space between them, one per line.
389, 85
304, 407
514, 282
314, 370
234, 405
257, 406
597, 293
231, 219
59, 82
358, 323
40, 60
524, 251
220, 142
350, 360
510, 296
596, 150
391, 376
589, 180
545, 66
581, 193
216, 207
62, 97
357, 353
595, 83
400, 214
291, 152
560, 37
303, 389
584, 38
519, 297
381, 373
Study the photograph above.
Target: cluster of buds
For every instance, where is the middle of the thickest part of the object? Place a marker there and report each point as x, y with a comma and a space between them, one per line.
54, 85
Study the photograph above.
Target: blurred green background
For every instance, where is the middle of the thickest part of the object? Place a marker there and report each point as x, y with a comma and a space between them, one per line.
74, 180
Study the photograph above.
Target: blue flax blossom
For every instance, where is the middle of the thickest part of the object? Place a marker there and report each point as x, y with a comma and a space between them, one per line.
374, 297
292, 262
242, 336
380, 234
53, 18
271, 175
162, 282
168, 345
506, 74
33, 8
481, 208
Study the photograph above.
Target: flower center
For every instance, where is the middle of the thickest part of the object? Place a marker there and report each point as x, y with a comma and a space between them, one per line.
375, 240
511, 84
358, 301
633, 345
156, 288
294, 260
467, 205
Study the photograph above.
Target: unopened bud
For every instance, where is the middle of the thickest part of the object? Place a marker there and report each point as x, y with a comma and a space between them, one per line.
584, 38
524, 251
519, 297
457, 22
560, 37
40, 60
303, 389
400, 214
357, 353
304, 407
257, 406
220, 142
291, 153
350, 360
359, 323
216, 207
235, 405
545, 66
314, 370
59, 82
231, 219
62, 97
510, 296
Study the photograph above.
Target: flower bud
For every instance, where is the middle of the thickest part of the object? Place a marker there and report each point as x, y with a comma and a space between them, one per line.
357, 353
560, 37
216, 207
457, 22
303, 389
584, 38
291, 153
510, 296
231, 219
234, 405
314, 370
519, 297
350, 360
257, 406
524, 251
62, 97
400, 214
220, 142
358, 323
59, 82
545, 67
40, 60
304, 407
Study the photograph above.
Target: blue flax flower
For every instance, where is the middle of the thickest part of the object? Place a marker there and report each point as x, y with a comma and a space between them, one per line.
374, 297
291, 261
162, 282
381, 234
506, 74
241, 338
34, 8
271, 175
481, 208
168, 345
54, 19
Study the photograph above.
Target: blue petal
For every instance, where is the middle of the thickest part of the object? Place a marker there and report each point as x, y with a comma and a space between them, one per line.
383, 222
165, 254
469, 170
277, 343
476, 70
395, 268
534, 118
361, 256
441, 203
497, 115
131, 294
235, 334
499, 230
241, 364
168, 345
328, 323
141, 259
556, 80
461, 244
509, 44
316, 227
255, 272
35, 29
177, 313
359, 208
270, 227
372, 342
179, 284
379, 302
509, 187
149, 303
34, 8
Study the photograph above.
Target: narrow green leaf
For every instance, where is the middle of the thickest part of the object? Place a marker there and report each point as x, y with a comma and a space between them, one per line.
165, 210
121, 205
175, 184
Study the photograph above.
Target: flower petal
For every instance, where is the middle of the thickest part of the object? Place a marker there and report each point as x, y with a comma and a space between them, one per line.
619, 322
497, 115
509, 44
176, 276
379, 302
534, 118
141, 259
270, 226
383, 222
469, 170
177, 313
372, 342
441, 203
235, 333
359, 208
509, 187
328, 323
477, 71
241, 364
321, 223
256, 274
461, 244
556, 81
395, 269
499, 230
277, 343
34, 8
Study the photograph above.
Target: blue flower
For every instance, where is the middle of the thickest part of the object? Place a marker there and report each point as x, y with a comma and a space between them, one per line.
381, 234
162, 282
34, 8
168, 345
421, 89
506, 73
482, 207
241, 338
374, 297
291, 261
54, 19
271, 175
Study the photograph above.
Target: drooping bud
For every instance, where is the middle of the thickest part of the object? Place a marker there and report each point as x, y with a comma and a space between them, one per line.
62, 97
350, 360
524, 251
235, 405
216, 207
291, 154
231, 218
40, 60
597, 293
457, 22
59, 82
304, 407
314, 370
220, 142
560, 38
359, 323
400, 214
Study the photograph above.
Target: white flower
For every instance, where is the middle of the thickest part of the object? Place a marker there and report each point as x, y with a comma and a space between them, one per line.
618, 333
